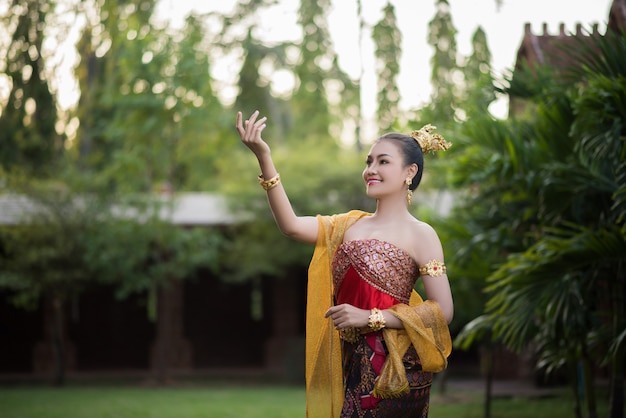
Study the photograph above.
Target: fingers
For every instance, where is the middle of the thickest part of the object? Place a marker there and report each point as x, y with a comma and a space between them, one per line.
338, 315
251, 128
347, 316
239, 124
252, 118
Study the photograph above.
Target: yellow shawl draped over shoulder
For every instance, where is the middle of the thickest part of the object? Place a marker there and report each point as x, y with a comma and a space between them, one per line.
424, 326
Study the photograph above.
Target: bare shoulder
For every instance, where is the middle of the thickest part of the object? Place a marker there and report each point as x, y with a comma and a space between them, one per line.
426, 243
423, 231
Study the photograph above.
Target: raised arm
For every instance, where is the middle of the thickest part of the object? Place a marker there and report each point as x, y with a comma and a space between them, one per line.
301, 228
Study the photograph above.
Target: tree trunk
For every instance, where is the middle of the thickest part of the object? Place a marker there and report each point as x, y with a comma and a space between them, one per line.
616, 386
616, 400
163, 344
574, 384
54, 354
587, 376
58, 346
170, 349
488, 359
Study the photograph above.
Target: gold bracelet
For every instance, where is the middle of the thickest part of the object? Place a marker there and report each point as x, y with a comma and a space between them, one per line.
269, 184
377, 320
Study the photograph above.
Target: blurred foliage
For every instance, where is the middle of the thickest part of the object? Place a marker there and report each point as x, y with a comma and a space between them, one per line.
66, 242
446, 76
388, 39
546, 196
29, 140
150, 119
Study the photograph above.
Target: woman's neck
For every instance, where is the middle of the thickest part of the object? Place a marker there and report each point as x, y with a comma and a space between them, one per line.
391, 210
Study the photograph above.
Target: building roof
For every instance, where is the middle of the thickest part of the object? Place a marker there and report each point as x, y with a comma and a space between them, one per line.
617, 16
548, 49
187, 209
198, 209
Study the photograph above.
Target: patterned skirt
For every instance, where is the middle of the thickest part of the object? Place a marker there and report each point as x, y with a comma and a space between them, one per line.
360, 375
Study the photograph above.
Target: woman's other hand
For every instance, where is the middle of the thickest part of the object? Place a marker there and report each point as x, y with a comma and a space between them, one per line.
250, 132
348, 316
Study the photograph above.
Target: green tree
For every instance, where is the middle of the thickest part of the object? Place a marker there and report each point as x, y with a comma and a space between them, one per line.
27, 121
311, 109
119, 115
446, 76
388, 39
479, 89
66, 243
147, 112
197, 126
559, 284
43, 255
319, 79
298, 132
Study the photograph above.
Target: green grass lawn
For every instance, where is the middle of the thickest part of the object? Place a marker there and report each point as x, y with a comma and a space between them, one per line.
224, 401
141, 402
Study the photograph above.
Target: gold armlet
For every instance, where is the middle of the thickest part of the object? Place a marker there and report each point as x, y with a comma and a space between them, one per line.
377, 320
433, 268
269, 184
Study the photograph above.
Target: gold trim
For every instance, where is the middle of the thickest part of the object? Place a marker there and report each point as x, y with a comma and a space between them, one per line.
376, 320
433, 268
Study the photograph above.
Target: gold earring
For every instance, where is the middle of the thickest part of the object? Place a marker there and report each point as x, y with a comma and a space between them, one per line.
409, 192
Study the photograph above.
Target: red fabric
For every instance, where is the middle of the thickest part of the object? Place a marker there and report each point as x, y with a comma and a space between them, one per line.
361, 294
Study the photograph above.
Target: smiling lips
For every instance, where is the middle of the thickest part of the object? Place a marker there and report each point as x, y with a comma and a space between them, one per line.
373, 181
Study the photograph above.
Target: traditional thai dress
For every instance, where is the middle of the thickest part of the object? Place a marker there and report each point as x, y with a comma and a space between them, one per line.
379, 374
376, 274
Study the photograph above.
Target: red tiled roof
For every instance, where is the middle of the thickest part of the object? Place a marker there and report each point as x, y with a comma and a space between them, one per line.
550, 50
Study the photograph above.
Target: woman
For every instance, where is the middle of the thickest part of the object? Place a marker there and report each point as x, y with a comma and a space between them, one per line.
372, 343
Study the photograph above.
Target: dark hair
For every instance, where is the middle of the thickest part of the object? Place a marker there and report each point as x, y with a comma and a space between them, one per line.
412, 154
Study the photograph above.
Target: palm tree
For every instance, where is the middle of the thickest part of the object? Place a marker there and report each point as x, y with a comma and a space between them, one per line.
561, 214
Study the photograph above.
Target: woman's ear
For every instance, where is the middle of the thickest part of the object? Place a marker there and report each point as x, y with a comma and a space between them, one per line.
412, 170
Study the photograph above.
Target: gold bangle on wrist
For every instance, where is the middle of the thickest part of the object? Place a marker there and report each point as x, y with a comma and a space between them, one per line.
377, 320
269, 184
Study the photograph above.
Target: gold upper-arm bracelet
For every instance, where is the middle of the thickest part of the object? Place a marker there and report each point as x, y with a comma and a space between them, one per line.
433, 268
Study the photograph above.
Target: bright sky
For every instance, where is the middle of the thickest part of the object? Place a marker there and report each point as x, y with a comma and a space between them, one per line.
504, 27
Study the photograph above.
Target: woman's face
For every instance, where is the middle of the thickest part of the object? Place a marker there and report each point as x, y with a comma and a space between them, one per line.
385, 171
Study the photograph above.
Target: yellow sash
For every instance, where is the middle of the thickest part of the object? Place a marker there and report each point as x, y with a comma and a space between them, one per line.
425, 328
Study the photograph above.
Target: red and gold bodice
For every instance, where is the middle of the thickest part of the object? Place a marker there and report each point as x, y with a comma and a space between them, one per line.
371, 273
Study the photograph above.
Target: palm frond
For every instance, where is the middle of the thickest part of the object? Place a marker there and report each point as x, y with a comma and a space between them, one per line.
598, 55
528, 285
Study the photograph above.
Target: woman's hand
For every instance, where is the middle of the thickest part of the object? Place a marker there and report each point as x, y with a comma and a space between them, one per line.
348, 316
250, 133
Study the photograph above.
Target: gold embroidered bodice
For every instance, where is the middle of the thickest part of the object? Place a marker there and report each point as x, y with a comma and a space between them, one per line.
381, 264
